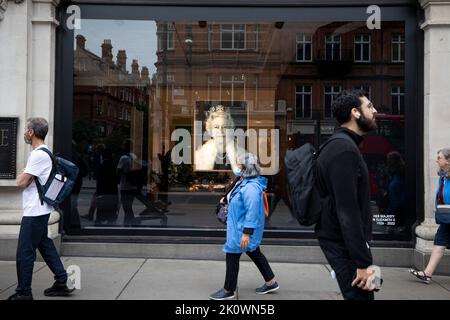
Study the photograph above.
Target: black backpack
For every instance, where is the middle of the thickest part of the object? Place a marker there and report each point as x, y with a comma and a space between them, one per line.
60, 183
307, 199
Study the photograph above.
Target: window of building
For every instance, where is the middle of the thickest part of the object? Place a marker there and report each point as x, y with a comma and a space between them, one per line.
398, 47
210, 37
99, 107
170, 36
232, 88
362, 48
367, 90
304, 47
256, 37
398, 100
303, 102
333, 47
330, 93
232, 37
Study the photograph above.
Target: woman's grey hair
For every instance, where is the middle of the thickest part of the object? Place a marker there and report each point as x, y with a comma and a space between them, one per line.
250, 166
446, 154
39, 126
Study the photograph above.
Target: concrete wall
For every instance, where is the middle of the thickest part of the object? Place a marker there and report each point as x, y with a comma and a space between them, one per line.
27, 64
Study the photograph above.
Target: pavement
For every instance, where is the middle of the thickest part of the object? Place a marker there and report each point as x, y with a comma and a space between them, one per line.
170, 279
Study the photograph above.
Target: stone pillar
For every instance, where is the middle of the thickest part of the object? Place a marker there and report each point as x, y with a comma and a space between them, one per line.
436, 114
27, 81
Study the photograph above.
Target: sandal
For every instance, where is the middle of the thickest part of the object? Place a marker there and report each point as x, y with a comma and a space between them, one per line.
420, 274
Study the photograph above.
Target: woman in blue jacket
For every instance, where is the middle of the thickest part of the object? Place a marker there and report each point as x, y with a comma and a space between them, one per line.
245, 227
442, 238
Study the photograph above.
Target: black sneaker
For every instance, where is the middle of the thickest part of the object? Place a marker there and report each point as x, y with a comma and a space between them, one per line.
222, 295
17, 296
58, 290
266, 289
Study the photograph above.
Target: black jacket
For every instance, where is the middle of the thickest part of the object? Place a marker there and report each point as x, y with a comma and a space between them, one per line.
343, 174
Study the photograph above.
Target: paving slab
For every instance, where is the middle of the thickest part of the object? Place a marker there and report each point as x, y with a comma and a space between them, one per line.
101, 278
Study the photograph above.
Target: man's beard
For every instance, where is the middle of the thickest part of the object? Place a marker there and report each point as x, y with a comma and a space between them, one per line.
366, 124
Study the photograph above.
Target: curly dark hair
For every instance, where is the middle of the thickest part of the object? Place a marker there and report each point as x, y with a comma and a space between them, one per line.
344, 103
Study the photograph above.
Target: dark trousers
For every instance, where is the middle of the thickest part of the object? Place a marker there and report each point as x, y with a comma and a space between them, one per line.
127, 197
232, 272
345, 269
32, 236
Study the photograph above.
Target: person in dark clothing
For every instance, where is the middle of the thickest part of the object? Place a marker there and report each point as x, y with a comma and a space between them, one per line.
345, 226
77, 159
107, 194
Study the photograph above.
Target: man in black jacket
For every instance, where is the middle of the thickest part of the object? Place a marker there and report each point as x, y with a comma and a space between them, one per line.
345, 227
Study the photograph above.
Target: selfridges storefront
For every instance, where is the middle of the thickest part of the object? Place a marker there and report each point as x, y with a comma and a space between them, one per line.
176, 93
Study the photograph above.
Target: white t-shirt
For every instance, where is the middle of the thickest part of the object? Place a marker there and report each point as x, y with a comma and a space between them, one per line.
40, 165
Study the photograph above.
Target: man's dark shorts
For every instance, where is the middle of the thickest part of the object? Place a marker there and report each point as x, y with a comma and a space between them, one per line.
442, 237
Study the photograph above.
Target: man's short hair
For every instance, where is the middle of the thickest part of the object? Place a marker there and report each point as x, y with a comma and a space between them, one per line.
39, 126
344, 103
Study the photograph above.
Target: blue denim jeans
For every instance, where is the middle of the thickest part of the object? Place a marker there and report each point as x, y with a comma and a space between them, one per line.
32, 236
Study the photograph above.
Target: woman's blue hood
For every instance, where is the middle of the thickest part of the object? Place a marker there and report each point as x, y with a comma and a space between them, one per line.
260, 181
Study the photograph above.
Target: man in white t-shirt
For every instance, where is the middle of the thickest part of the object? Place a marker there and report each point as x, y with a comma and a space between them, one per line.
34, 225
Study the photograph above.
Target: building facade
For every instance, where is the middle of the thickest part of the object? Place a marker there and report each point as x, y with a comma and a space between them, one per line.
179, 91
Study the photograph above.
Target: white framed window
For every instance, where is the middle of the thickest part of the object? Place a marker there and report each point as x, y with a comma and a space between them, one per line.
232, 88
256, 37
304, 47
333, 47
110, 109
170, 78
362, 47
398, 100
170, 36
210, 37
398, 47
232, 37
303, 102
99, 107
210, 83
367, 89
330, 94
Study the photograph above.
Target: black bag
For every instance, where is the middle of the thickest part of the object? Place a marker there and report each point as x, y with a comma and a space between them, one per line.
60, 183
305, 196
222, 212
222, 208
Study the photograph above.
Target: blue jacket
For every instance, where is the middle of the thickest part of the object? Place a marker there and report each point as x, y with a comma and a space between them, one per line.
446, 191
245, 210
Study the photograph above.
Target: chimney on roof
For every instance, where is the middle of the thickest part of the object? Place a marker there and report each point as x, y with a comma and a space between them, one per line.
107, 51
122, 60
145, 75
135, 69
81, 41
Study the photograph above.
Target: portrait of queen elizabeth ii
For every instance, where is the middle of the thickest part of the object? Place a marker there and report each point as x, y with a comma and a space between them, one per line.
221, 150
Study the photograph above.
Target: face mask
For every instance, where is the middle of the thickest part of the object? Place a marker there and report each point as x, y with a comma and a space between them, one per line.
27, 139
237, 171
